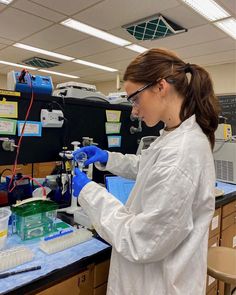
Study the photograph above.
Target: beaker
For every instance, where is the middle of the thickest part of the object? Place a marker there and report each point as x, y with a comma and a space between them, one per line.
81, 158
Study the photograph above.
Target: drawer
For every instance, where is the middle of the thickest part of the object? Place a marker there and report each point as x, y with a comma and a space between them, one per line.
215, 223
101, 290
228, 237
213, 291
229, 209
101, 271
78, 284
228, 220
43, 169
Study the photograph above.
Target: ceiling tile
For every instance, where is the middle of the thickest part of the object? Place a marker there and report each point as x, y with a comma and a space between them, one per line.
86, 47
6, 41
68, 67
17, 55
193, 36
2, 46
15, 24
215, 58
229, 5
2, 6
67, 7
184, 16
115, 13
90, 72
220, 45
54, 37
112, 56
120, 65
38, 10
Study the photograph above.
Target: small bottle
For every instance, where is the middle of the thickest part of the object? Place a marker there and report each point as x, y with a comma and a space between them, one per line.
81, 158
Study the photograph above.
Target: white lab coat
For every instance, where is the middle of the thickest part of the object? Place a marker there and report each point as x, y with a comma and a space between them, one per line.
160, 236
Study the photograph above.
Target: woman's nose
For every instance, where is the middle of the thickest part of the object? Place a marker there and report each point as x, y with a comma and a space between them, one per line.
134, 112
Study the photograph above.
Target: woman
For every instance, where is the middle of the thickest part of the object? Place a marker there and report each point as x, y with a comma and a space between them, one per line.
159, 237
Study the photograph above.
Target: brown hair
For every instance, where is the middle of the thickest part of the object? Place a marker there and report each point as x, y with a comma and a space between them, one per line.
198, 93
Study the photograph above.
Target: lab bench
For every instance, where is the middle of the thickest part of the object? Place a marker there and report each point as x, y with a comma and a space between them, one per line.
88, 275
222, 231
82, 269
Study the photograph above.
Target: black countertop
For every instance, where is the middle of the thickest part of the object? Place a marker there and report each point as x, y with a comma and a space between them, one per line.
225, 199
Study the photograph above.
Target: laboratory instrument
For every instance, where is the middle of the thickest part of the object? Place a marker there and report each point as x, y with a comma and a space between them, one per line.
79, 90
145, 143
118, 98
15, 256
225, 161
223, 132
40, 84
34, 218
65, 241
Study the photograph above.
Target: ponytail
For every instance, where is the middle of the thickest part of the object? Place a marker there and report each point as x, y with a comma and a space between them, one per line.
201, 101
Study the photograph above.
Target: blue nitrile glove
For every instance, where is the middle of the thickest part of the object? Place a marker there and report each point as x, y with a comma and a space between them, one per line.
94, 154
79, 181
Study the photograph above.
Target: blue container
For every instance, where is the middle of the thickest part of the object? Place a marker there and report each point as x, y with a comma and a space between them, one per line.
40, 84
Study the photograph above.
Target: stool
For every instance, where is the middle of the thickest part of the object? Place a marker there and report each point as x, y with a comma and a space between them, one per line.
221, 265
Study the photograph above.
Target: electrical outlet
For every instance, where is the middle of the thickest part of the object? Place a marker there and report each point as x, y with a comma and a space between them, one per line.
51, 119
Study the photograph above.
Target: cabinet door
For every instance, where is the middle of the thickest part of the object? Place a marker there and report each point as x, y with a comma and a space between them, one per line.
80, 284
212, 291
215, 223
228, 237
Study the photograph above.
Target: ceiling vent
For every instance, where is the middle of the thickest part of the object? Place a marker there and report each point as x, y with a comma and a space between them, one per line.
39, 62
152, 28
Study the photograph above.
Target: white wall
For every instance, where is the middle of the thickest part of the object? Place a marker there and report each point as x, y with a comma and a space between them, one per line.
3, 81
109, 86
223, 76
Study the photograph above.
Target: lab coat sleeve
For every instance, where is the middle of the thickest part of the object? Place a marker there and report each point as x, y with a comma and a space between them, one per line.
165, 221
122, 165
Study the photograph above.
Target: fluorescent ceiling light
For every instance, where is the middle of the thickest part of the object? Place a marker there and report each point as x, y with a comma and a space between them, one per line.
16, 65
59, 74
208, 8
91, 64
5, 1
46, 52
76, 25
228, 26
136, 48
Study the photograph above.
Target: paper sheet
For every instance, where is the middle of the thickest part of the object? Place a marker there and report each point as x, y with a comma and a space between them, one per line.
114, 141
113, 115
112, 128
32, 128
8, 109
7, 126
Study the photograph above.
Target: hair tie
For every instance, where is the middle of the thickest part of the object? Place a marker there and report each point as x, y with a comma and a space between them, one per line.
188, 68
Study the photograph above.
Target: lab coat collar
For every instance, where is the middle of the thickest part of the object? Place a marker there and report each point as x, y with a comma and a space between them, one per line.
188, 124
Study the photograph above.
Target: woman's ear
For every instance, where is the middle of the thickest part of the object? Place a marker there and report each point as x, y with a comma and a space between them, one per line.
162, 87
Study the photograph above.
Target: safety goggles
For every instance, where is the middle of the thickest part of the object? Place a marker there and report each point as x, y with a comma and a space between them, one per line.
133, 97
